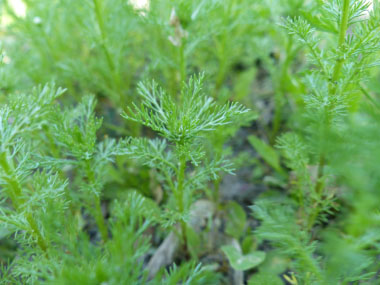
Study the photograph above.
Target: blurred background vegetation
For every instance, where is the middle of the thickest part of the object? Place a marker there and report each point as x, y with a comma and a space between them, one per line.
105, 47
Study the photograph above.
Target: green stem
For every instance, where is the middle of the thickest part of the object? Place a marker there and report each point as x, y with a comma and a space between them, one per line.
15, 191
15, 195
103, 34
180, 196
336, 73
279, 83
97, 211
111, 64
36, 231
319, 191
100, 219
342, 37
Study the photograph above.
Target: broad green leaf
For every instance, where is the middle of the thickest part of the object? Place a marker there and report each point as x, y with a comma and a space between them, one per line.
265, 278
236, 219
242, 262
267, 152
193, 242
249, 244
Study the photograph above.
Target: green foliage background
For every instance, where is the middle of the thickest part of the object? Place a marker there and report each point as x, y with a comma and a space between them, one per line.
116, 121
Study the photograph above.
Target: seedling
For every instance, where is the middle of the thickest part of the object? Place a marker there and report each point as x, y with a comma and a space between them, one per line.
183, 125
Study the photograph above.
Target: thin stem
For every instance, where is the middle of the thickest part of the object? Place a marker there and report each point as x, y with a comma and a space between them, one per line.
318, 189
37, 233
336, 73
15, 191
107, 53
100, 219
342, 37
103, 34
97, 211
180, 197
15, 195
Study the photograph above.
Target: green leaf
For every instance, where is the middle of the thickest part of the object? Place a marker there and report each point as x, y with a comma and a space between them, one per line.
194, 242
249, 244
242, 262
265, 278
267, 152
236, 219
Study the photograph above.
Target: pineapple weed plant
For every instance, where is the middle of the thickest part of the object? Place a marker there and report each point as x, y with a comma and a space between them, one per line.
86, 200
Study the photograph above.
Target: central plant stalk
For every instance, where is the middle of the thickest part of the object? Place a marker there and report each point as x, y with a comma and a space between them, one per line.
97, 212
335, 76
342, 37
180, 196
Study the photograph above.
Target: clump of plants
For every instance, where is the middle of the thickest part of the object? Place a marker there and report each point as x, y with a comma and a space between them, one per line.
183, 124
45, 205
192, 142
300, 227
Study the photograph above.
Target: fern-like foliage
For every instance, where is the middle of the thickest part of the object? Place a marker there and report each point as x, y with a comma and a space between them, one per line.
279, 226
338, 68
32, 192
335, 80
41, 209
183, 126
182, 122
